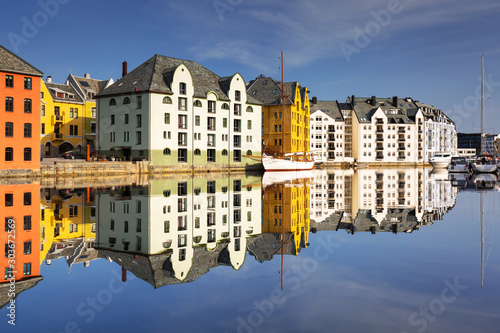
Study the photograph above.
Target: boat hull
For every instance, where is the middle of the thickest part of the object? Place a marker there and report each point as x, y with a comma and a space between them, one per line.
484, 168
277, 164
439, 164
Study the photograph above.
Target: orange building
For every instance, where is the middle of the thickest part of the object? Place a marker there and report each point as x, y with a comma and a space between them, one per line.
19, 113
20, 213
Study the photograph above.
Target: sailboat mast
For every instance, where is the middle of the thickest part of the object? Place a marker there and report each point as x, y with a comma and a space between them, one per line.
482, 238
283, 111
483, 150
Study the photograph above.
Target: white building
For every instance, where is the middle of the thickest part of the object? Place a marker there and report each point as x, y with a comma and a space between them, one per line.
176, 112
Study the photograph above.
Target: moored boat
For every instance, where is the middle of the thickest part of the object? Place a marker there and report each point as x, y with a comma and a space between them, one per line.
485, 164
440, 160
458, 164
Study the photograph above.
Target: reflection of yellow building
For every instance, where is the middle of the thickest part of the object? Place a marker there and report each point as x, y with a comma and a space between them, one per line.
296, 116
67, 223
286, 209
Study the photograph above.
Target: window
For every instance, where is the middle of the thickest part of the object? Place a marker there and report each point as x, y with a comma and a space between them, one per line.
237, 95
237, 125
139, 120
27, 83
182, 88
93, 113
237, 156
211, 124
211, 140
27, 269
182, 121
112, 119
27, 130
224, 122
224, 152
9, 81
27, 199
182, 139
237, 109
249, 109
237, 141
112, 102
182, 104
27, 222
9, 200
182, 155
9, 129
27, 247
126, 118
211, 155
93, 127
167, 118
27, 154
9, 154
197, 152
225, 106
27, 105
8, 273
126, 136
43, 129
197, 120
126, 100
211, 106
73, 129
249, 124
139, 102
9, 104
249, 152
167, 100
166, 151
76, 113
138, 138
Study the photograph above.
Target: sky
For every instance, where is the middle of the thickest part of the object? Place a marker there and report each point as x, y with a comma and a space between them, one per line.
425, 49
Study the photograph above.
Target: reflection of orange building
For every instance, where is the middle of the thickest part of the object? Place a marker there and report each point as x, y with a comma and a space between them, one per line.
19, 113
288, 204
20, 203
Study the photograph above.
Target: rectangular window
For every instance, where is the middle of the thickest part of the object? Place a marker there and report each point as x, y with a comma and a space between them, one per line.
9, 154
138, 137
211, 106
125, 136
237, 95
126, 118
138, 227
112, 119
182, 155
71, 115
27, 154
211, 123
139, 120
197, 120
9, 81
237, 125
9, 199
42, 111
139, 102
237, 141
182, 139
167, 118
237, 156
76, 113
27, 83
9, 129
27, 269
9, 104
182, 104
27, 199
93, 113
237, 109
8, 226
8, 273
27, 247
182, 121
125, 226
43, 129
92, 128
211, 140
211, 155
27, 222
182, 88
249, 124
27, 105
27, 130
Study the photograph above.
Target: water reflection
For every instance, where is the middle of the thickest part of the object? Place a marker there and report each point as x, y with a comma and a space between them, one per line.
176, 230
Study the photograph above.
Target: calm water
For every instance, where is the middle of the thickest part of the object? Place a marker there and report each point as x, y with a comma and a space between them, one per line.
368, 251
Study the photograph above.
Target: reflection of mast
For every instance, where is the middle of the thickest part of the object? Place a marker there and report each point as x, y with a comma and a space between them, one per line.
282, 230
482, 238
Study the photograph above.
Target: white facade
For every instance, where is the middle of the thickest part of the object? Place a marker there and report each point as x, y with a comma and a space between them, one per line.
327, 138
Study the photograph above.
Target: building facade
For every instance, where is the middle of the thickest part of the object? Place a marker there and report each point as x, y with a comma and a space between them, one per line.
20, 113
176, 112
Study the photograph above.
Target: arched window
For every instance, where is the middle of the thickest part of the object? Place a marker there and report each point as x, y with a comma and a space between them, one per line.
166, 151
167, 100
112, 101
197, 103
225, 106
249, 109
249, 152
126, 100
224, 152
197, 151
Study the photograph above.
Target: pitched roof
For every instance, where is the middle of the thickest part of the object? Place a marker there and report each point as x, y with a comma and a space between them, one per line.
156, 75
67, 91
9, 62
268, 91
401, 112
330, 108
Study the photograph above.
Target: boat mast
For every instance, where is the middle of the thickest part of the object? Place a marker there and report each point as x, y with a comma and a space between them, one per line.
483, 150
283, 112
482, 238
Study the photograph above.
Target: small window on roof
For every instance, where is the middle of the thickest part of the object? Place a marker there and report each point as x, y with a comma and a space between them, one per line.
254, 92
274, 91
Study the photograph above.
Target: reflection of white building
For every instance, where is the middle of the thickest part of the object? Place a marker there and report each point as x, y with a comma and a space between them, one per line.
379, 199
179, 216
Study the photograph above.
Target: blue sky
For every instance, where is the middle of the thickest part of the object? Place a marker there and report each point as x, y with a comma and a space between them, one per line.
426, 49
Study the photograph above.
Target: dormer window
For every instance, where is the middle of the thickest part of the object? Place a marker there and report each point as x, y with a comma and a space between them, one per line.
182, 88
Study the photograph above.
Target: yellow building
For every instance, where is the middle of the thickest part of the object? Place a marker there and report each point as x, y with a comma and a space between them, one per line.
62, 119
286, 210
67, 223
293, 125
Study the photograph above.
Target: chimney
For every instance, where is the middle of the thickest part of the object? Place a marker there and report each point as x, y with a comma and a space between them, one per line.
395, 101
49, 79
315, 100
87, 76
124, 68
352, 100
374, 101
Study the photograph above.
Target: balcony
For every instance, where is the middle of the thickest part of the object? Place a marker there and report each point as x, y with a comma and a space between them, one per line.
57, 136
57, 119
401, 137
380, 138
401, 147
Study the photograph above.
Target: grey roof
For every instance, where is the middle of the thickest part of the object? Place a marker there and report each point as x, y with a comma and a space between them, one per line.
264, 246
330, 108
21, 286
156, 74
93, 84
268, 91
54, 87
9, 62
364, 108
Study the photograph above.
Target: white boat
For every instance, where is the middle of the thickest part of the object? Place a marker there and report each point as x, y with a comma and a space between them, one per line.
485, 164
458, 164
440, 160
285, 164
270, 178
